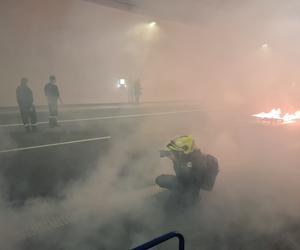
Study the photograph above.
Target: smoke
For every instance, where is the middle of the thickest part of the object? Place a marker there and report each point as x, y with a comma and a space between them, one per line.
208, 51
254, 200
197, 48
217, 49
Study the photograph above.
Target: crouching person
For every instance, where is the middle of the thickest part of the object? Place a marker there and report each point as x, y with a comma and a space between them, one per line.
193, 170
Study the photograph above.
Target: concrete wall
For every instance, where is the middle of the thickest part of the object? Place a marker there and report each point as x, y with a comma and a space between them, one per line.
218, 58
87, 46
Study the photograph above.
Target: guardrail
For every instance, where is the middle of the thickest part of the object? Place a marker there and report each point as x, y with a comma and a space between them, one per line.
161, 239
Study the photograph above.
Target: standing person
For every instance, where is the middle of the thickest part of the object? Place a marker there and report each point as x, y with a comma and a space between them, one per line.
130, 89
137, 90
52, 94
27, 109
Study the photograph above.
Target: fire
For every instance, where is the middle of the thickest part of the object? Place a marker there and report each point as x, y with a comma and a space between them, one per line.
288, 118
273, 114
276, 115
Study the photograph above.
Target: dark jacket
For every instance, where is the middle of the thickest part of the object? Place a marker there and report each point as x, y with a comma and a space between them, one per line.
51, 91
190, 171
24, 96
137, 88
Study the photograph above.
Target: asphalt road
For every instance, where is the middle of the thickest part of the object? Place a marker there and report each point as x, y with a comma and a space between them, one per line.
38, 164
44, 166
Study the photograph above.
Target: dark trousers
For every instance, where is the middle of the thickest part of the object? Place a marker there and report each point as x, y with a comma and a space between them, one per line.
53, 111
131, 97
187, 193
28, 115
137, 98
169, 182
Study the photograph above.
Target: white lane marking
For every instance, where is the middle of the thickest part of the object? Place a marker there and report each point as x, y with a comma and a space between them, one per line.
71, 107
54, 144
130, 116
11, 125
110, 117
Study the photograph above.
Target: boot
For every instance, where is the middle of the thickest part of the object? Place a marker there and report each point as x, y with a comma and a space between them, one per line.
27, 128
51, 122
55, 123
34, 129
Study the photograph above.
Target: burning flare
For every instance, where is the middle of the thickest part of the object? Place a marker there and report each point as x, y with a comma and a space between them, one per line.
276, 115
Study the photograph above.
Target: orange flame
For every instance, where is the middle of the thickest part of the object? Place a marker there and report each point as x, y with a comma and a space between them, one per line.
273, 114
289, 118
276, 114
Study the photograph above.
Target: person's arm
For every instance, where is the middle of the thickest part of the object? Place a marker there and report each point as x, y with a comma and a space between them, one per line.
46, 91
182, 170
58, 95
31, 97
18, 97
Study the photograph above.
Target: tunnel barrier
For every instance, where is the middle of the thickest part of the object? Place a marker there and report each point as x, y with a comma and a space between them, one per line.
161, 239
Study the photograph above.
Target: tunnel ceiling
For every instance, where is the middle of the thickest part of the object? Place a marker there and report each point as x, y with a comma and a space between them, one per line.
120, 4
165, 9
184, 11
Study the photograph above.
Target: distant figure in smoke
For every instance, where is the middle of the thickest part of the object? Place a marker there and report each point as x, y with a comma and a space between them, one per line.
137, 91
194, 170
52, 94
130, 89
27, 109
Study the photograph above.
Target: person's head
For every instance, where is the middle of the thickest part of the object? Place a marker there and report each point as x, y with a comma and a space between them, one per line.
52, 79
179, 148
24, 81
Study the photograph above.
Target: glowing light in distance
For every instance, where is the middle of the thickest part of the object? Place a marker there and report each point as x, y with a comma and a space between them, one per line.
152, 24
265, 46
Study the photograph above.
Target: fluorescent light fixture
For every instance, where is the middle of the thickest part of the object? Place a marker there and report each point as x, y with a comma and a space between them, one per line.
152, 24
121, 83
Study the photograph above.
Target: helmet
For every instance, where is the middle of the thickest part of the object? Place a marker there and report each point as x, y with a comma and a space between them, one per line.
184, 144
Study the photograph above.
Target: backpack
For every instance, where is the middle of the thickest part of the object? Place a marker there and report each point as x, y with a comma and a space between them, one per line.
210, 173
